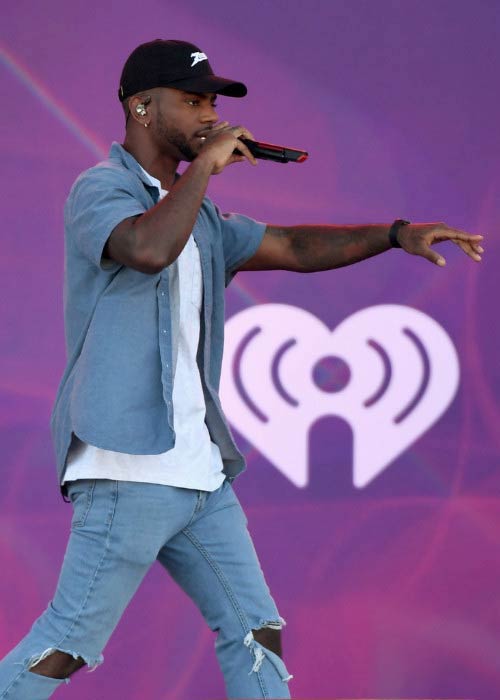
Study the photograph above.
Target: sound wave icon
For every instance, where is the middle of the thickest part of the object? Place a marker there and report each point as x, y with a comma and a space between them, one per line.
390, 371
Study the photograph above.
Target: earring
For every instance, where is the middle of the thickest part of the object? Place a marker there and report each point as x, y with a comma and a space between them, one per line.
146, 124
140, 110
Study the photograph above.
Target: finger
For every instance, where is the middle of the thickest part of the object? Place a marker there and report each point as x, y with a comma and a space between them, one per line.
247, 135
473, 250
246, 152
456, 235
242, 131
235, 159
213, 129
469, 250
431, 255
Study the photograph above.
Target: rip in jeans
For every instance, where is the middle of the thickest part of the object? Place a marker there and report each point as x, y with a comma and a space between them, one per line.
261, 652
92, 664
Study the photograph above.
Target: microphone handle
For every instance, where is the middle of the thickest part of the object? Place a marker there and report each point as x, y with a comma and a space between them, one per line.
270, 151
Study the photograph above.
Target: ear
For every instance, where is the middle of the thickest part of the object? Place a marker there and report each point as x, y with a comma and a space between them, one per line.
138, 108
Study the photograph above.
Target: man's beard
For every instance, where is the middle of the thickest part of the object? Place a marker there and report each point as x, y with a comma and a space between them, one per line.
173, 136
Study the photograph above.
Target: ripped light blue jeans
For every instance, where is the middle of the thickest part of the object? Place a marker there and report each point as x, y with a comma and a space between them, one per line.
119, 529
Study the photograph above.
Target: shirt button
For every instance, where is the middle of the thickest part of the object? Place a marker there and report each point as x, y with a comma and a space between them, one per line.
163, 294
164, 331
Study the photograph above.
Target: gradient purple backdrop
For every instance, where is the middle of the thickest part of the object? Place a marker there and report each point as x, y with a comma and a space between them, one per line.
388, 591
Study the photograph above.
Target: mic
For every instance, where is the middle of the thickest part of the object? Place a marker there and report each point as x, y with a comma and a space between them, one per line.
269, 151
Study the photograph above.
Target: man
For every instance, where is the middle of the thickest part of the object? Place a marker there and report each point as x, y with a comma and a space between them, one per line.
143, 448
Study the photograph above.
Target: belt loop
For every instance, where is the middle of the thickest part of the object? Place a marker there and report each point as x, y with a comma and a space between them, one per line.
199, 502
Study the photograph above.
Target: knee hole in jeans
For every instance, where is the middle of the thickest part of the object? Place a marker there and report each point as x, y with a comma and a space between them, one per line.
56, 664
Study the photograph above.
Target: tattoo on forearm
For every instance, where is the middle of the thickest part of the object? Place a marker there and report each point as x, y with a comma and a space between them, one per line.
326, 247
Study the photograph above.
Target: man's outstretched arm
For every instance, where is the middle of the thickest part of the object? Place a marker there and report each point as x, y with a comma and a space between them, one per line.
311, 248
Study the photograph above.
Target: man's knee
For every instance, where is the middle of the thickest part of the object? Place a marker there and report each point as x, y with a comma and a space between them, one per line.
269, 638
57, 665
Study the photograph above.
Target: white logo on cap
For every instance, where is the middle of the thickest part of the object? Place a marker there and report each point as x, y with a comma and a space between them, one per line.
198, 56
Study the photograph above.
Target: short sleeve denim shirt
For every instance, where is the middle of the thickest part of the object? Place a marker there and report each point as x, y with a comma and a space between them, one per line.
116, 390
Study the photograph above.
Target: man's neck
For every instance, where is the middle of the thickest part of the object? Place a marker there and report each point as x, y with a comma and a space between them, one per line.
163, 168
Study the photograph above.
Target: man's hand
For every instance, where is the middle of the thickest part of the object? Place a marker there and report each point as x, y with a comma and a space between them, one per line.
219, 144
417, 239
152, 241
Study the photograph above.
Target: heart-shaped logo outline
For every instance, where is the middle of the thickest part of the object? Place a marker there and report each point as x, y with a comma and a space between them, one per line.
403, 374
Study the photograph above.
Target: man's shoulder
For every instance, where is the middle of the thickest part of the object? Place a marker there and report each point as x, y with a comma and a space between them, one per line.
109, 171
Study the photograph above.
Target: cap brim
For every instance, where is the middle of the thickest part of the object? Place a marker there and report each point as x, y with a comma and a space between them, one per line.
210, 83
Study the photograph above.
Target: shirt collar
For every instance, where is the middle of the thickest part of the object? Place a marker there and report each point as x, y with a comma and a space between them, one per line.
117, 152
154, 182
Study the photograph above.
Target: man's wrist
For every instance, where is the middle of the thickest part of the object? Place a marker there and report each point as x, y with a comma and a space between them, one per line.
393, 232
204, 162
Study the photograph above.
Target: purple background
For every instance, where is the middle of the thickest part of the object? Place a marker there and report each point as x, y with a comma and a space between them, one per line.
388, 591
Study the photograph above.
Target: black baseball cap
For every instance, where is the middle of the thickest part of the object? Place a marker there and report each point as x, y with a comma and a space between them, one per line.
174, 64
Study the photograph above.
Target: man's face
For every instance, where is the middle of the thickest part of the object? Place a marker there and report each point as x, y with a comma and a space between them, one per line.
178, 117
